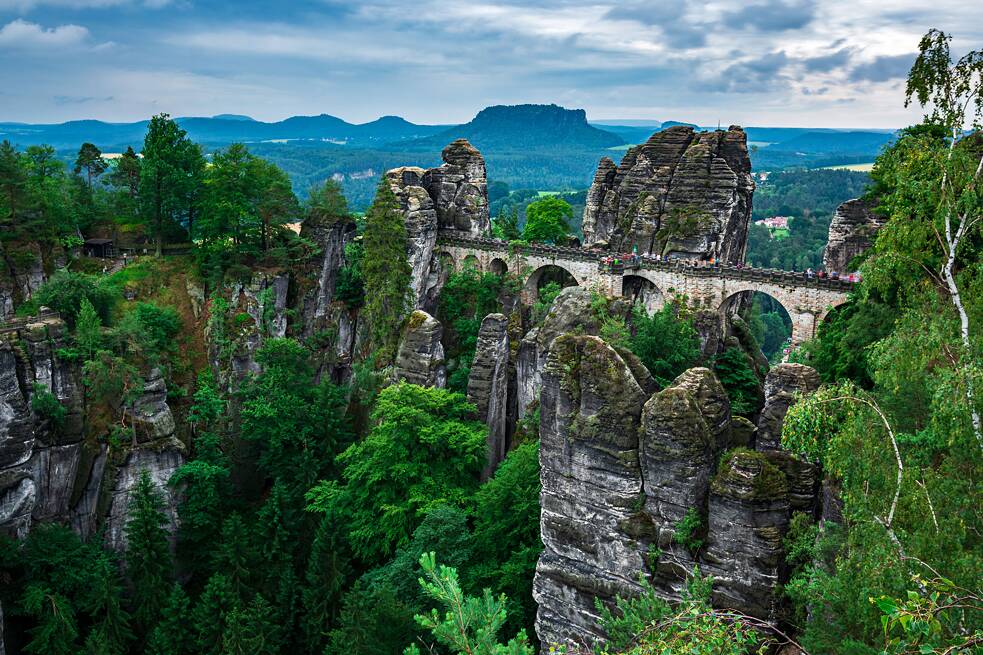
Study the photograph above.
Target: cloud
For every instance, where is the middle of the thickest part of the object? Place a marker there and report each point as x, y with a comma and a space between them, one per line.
885, 68
772, 15
757, 75
825, 63
669, 17
20, 34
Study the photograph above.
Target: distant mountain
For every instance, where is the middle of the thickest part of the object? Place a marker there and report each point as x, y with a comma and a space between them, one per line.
668, 124
604, 123
834, 142
629, 133
524, 127
234, 117
221, 130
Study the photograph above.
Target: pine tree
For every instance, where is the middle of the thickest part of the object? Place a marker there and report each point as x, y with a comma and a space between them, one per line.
173, 635
148, 559
110, 633
386, 271
328, 569
56, 629
88, 329
252, 630
235, 557
211, 613
90, 160
277, 528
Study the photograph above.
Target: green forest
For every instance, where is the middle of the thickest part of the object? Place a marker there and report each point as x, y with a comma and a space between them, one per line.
318, 515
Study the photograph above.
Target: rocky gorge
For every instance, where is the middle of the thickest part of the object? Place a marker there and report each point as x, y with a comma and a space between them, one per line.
624, 460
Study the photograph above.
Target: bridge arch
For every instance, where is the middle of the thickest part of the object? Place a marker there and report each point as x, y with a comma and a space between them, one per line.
804, 319
498, 266
545, 274
471, 261
642, 291
832, 306
446, 260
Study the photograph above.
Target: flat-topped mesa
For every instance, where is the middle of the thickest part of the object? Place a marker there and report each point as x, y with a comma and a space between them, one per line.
851, 233
681, 194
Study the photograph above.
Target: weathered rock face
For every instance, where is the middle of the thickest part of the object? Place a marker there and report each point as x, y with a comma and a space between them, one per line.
452, 196
618, 481
23, 269
748, 517
851, 233
160, 465
681, 193
331, 239
53, 473
420, 359
232, 352
488, 385
590, 410
781, 384
570, 311
459, 189
420, 217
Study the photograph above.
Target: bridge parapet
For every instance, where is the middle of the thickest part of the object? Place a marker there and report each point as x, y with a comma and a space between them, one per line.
806, 299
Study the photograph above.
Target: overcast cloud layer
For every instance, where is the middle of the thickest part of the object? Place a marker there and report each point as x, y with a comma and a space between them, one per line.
837, 63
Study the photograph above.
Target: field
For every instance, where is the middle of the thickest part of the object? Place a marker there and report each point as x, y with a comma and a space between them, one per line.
860, 168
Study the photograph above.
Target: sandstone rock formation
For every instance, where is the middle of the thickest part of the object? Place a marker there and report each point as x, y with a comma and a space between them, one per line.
331, 239
420, 358
591, 405
681, 193
459, 189
452, 196
570, 311
488, 385
50, 472
619, 479
851, 232
781, 384
420, 218
748, 517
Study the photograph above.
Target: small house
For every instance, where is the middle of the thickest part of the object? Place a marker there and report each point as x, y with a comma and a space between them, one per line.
98, 248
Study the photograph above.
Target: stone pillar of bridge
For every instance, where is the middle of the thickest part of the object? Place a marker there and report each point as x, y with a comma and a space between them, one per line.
803, 327
610, 284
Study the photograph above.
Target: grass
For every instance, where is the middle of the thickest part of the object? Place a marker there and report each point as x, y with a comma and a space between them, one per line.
779, 234
623, 147
860, 168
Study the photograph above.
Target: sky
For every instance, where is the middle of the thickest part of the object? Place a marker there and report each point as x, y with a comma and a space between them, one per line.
810, 63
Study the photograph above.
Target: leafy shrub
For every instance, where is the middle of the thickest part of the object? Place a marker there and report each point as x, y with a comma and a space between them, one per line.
64, 293
738, 378
350, 287
46, 405
666, 343
689, 530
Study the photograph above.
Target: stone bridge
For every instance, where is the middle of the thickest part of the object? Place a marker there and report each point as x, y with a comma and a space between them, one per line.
807, 301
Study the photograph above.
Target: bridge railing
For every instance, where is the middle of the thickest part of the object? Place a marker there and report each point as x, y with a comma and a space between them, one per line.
648, 262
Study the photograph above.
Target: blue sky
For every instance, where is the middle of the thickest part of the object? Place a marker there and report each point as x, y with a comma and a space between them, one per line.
837, 63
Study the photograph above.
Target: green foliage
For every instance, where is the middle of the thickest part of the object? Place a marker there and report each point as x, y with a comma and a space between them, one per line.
687, 533
211, 613
252, 630
386, 271
735, 372
468, 624
374, 621
56, 630
88, 330
939, 619
648, 624
65, 291
111, 380
506, 533
173, 635
423, 450
325, 580
350, 287
47, 406
148, 558
506, 224
299, 427
841, 350
665, 342
170, 176
544, 300
466, 298
547, 220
